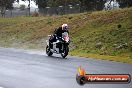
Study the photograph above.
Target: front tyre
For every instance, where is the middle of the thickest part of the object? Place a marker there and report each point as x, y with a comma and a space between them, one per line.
48, 52
65, 51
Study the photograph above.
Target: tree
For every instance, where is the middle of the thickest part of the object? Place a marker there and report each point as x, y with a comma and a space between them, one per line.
100, 4
92, 4
125, 3
64, 4
5, 4
41, 3
22, 7
28, 4
85, 4
54, 3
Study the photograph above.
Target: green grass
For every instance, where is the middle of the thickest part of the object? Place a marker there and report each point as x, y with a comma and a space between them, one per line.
93, 34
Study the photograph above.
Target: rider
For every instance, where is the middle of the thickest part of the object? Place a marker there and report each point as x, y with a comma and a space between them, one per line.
58, 33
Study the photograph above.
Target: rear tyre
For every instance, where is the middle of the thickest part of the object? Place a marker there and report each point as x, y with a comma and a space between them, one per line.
65, 52
48, 52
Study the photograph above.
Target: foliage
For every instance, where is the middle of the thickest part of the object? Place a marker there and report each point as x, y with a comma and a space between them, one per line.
5, 4
22, 7
41, 3
125, 3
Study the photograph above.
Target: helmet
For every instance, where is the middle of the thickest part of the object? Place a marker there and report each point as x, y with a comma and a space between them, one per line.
64, 27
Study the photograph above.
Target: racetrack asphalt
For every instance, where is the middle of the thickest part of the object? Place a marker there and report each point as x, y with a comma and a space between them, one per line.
34, 69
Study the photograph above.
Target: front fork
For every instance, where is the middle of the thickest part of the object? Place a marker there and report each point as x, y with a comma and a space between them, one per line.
64, 45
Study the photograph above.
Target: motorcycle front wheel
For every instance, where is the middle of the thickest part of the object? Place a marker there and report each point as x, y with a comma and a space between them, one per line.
65, 51
48, 52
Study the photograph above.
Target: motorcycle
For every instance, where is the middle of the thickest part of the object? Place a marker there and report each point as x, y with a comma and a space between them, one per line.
61, 46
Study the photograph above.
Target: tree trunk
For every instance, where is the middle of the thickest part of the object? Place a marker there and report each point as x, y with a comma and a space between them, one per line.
29, 8
11, 12
3, 9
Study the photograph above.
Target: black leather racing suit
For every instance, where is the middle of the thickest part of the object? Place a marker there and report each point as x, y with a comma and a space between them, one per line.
57, 33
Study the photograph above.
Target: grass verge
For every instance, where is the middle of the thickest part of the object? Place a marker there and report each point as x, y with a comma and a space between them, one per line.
102, 34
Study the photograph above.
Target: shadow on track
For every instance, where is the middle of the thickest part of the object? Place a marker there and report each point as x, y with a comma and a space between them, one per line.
57, 57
